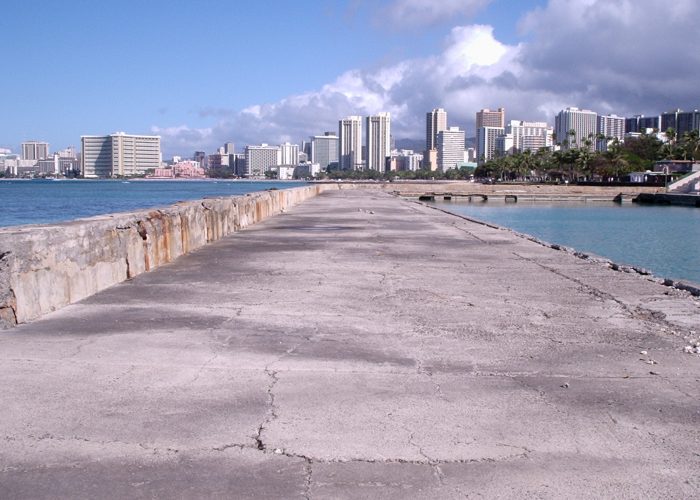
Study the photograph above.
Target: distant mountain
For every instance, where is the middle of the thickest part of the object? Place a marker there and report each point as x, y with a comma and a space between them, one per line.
417, 145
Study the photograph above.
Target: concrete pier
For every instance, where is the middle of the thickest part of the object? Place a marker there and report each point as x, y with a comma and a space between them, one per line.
358, 346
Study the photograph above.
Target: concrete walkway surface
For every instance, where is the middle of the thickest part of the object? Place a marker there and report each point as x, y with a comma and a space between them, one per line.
358, 346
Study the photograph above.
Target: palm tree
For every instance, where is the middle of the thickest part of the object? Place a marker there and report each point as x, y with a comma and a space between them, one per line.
670, 146
690, 144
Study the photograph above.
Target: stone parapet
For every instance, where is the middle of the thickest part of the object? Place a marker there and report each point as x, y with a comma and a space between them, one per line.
46, 267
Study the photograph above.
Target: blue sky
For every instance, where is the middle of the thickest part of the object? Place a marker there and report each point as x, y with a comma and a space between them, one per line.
200, 73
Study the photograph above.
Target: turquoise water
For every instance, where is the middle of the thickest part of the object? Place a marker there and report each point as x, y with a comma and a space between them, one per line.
42, 201
662, 239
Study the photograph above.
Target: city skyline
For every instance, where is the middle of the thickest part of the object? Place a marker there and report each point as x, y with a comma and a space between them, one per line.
198, 91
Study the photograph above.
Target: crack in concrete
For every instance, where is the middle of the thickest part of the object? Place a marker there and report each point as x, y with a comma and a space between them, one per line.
454, 224
437, 472
81, 345
308, 468
202, 368
422, 370
51, 437
638, 312
272, 409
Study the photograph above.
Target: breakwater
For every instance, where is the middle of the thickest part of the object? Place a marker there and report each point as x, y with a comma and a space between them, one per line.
44, 268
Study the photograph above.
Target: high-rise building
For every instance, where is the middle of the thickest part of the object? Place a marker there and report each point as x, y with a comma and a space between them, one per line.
610, 127
435, 121
488, 118
201, 157
239, 166
504, 144
378, 141
486, 139
229, 149
640, 123
573, 126
408, 160
259, 159
680, 121
324, 150
450, 148
119, 154
350, 143
529, 136
35, 150
218, 160
289, 154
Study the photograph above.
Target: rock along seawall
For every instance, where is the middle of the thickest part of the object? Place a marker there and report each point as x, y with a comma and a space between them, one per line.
46, 267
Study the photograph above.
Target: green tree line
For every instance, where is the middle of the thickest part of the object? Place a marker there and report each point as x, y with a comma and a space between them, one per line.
577, 160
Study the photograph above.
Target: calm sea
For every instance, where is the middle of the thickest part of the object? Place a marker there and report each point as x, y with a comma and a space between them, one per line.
42, 201
663, 239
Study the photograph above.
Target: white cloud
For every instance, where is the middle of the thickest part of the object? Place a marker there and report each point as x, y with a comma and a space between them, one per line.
610, 57
414, 12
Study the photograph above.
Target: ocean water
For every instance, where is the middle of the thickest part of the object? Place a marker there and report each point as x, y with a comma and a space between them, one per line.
43, 201
662, 239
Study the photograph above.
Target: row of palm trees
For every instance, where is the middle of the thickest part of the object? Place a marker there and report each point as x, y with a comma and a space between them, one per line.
579, 161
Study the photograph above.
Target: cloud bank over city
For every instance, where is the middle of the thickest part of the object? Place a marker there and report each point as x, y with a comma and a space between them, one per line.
612, 57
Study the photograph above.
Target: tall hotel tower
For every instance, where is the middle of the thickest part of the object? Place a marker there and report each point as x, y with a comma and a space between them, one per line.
378, 141
350, 143
119, 154
572, 126
35, 150
435, 122
324, 150
488, 118
489, 125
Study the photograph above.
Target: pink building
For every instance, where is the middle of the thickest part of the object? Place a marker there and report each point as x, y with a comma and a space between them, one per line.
189, 170
164, 173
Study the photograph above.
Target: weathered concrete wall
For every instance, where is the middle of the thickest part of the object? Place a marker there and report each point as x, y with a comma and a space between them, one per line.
43, 268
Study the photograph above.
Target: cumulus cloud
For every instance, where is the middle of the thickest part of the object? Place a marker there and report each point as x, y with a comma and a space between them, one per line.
414, 12
615, 55
588, 53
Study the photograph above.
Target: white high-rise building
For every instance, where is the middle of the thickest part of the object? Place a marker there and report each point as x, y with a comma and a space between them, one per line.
35, 150
378, 141
324, 150
450, 148
119, 154
505, 145
289, 154
529, 136
486, 147
610, 127
407, 160
259, 159
573, 126
350, 143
